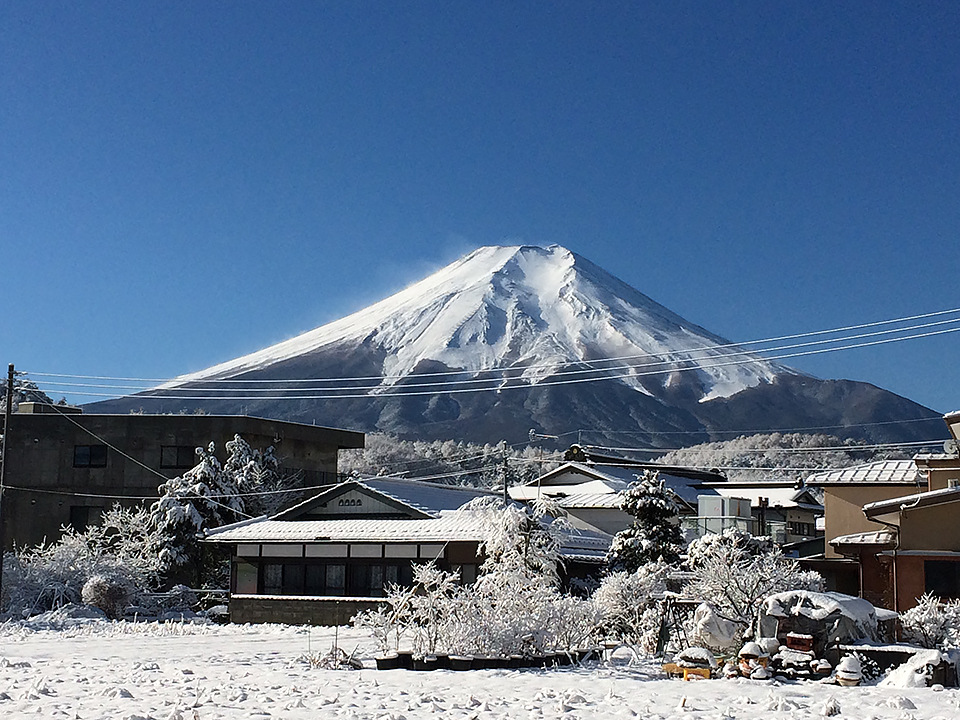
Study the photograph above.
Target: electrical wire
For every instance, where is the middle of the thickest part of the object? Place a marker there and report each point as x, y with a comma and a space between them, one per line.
506, 386
780, 338
661, 359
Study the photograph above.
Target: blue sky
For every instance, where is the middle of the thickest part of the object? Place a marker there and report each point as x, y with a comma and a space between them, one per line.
182, 183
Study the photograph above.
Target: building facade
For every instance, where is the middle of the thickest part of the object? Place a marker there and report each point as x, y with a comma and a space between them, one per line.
64, 467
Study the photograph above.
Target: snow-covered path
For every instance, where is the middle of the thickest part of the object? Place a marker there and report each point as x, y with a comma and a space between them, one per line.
119, 672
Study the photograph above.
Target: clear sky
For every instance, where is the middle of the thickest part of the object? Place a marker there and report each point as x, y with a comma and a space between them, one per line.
185, 182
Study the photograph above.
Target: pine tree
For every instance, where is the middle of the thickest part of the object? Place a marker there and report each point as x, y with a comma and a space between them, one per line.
203, 497
655, 532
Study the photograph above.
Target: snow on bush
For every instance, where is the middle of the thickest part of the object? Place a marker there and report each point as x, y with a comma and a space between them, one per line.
123, 548
513, 608
109, 593
932, 623
734, 572
629, 605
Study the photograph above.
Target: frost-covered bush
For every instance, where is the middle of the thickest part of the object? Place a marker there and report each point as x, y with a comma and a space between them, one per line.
655, 533
124, 548
932, 623
734, 572
629, 605
514, 607
110, 593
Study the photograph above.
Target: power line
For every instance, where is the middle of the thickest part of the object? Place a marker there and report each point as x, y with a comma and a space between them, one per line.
834, 448
507, 386
860, 326
661, 359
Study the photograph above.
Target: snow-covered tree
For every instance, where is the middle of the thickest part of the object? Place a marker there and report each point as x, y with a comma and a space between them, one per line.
932, 623
734, 572
122, 551
262, 484
655, 533
24, 390
203, 497
777, 456
458, 463
629, 605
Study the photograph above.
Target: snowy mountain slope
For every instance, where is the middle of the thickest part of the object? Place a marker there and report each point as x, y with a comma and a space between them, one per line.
537, 309
512, 338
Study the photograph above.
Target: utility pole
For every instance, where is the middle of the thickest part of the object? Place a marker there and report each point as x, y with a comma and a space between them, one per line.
7, 412
506, 495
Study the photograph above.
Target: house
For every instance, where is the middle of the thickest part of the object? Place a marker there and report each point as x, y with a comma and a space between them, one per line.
780, 509
333, 555
851, 539
890, 526
920, 548
590, 492
64, 467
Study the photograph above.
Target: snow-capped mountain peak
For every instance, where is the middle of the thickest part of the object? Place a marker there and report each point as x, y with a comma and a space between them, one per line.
536, 310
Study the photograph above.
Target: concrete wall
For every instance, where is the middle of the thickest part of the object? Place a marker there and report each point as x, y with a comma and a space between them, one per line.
297, 610
43, 484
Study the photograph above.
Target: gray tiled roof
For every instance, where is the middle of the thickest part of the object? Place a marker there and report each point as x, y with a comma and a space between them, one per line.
448, 527
431, 498
883, 472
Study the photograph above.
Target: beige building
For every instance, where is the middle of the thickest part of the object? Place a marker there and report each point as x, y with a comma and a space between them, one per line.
891, 526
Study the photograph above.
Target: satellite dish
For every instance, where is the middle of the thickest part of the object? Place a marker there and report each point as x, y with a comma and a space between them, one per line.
950, 447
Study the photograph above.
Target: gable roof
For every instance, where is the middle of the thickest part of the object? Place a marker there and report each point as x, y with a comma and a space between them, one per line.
616, 478
413, 498
883, 472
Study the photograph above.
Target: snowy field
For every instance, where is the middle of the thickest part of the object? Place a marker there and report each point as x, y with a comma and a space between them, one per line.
127, 671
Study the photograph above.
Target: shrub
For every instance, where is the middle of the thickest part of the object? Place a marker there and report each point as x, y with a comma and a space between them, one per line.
112, 594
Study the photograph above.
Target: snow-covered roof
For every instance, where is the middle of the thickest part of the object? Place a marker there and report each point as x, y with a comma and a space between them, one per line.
462, 526
883, 472
606, 501
431, 498
420, 498
445, 528
872, 537
785, 496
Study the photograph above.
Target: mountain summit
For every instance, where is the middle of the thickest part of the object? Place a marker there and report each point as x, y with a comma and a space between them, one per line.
512, 338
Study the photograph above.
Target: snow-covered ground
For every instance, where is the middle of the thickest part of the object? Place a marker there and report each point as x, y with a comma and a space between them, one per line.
127, 671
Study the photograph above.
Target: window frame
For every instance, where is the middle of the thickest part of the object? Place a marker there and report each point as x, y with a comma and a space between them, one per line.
90, 456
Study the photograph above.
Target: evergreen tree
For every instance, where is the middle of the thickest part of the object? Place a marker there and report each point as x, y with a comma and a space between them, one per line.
203, 497
655, 532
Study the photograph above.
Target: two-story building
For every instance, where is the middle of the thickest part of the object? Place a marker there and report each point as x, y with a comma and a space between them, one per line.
64, 467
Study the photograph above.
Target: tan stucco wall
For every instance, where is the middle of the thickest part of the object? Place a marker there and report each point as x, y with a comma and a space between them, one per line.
931, 528
939, 472
843, 509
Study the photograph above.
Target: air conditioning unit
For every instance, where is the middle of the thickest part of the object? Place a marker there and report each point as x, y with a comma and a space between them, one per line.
953, 482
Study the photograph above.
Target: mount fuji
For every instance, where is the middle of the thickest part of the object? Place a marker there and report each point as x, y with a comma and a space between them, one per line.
509, 339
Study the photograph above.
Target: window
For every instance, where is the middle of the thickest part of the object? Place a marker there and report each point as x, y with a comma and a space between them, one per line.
332, 579
942, 578
89, 456
178, 456
272, 579
246, 578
